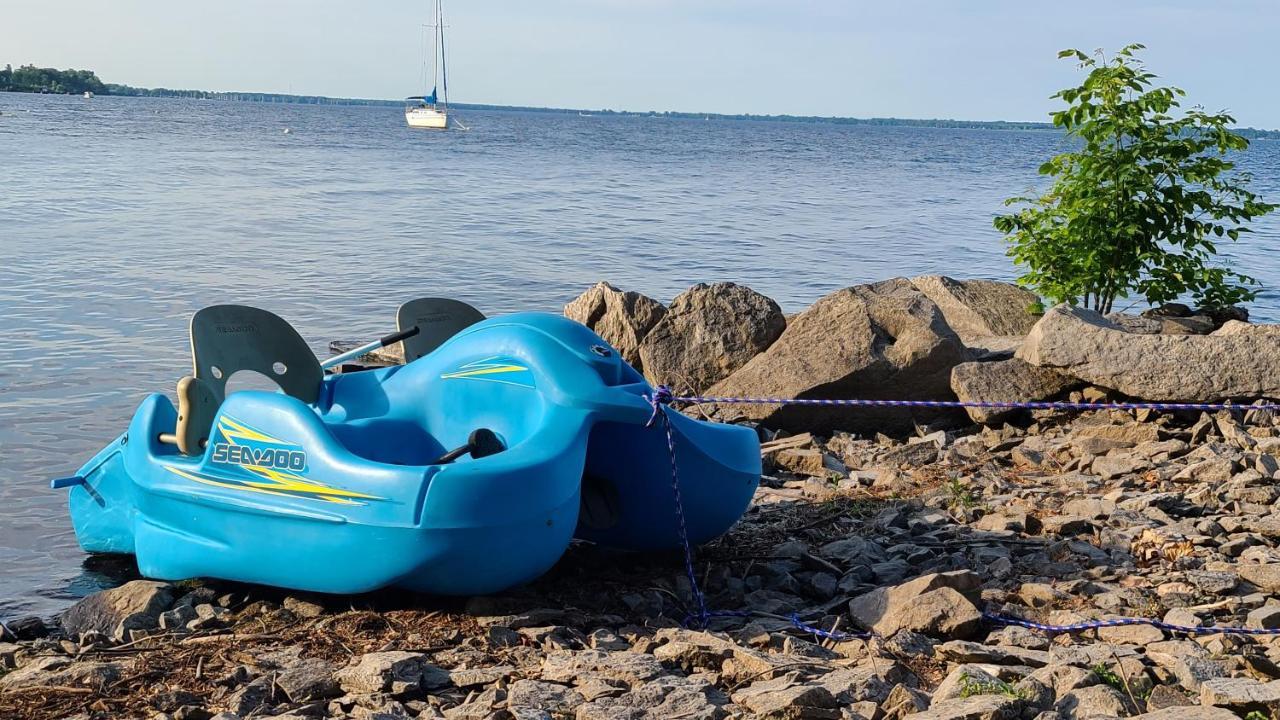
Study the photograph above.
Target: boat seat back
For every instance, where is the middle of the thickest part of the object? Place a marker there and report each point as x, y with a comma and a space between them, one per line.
226, 339
437, 320
197, 405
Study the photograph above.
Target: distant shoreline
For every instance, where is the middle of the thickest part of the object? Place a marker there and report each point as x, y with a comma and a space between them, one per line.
75, 82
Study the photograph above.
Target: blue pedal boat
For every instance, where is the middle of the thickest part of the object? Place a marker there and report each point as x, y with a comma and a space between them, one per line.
465, 471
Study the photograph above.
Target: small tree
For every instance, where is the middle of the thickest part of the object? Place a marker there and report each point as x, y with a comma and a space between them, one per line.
1140, 203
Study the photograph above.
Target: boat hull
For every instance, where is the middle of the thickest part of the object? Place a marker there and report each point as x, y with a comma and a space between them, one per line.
342, 497
426, 119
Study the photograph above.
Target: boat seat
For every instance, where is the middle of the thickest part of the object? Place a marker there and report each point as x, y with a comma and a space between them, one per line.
226, 339
437, 320
197, 406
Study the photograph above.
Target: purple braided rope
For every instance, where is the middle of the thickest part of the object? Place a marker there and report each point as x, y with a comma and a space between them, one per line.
1030, 405
1122, 622
660, 415
837, 635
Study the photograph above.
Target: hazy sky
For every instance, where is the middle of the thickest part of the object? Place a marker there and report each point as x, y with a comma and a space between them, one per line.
971, 59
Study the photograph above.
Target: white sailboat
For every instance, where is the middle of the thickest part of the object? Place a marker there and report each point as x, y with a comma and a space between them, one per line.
431, 112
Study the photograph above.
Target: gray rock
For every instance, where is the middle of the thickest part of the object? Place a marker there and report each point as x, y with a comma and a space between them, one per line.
966, 679
630, 667
912, 455
10, 655
1135, 324
693, 650
61, 671
964, 651
258, 693
1166, 696
1266, 576
860, 684
393, 671
807, 461
667, 696
1240, 693
1188, 662
1093, 701
178, 617
1011, 380
209, 616
136, 605
904, 700
979, 309
1214, 583
1109, 467
623, 319
1134, 433
977, 707
553, 697
1066, 525
1140, 635
1234, 363
30, 627
471, 677
785, 697
482, 707
1061, 679
1189, 713
930, 604
885, 340
302, 607
307, 679
853, 550
708, 332
1212, 470
1264, 618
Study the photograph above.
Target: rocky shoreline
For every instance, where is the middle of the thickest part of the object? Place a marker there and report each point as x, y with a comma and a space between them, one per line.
909, 530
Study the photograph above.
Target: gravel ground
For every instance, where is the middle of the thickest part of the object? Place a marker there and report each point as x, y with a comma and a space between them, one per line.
1063, 519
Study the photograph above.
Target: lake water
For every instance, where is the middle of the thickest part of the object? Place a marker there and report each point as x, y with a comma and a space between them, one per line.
119, 217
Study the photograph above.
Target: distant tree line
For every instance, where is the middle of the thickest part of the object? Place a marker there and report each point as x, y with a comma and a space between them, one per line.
29, 78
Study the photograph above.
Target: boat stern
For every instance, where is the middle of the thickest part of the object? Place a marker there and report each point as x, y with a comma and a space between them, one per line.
101, 493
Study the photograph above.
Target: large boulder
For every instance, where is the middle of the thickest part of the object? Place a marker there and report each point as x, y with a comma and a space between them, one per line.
1238, 361
621, 318
708, 332
136, 605
978, 309
880, 341
1011, 380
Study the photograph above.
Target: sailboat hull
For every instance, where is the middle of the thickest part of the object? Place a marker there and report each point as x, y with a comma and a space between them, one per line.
426, 119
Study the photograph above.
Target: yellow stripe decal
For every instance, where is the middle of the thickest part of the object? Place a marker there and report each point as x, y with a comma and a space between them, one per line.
286, 486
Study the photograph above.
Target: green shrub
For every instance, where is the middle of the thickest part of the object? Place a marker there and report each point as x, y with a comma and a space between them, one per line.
1140, 203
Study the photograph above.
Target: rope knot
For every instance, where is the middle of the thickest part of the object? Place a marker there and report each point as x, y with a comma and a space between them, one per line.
662, 396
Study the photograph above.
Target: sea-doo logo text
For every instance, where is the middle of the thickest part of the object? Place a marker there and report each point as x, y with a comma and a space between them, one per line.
233, 329
275, 458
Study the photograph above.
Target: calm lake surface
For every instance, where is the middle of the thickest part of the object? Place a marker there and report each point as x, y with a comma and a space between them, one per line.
119, 217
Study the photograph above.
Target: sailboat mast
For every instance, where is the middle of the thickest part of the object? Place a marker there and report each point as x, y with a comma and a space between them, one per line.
435, 51
444, 68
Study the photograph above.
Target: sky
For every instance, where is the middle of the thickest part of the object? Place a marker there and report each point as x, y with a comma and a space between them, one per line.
964, 59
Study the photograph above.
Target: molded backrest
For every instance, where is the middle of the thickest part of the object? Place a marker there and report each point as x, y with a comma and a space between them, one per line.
226, 339
437, 319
